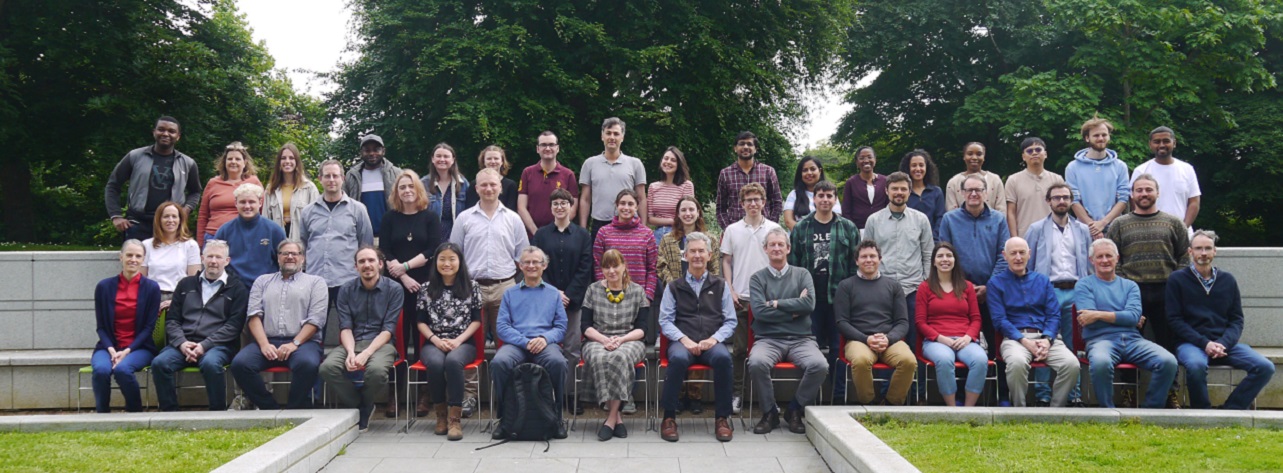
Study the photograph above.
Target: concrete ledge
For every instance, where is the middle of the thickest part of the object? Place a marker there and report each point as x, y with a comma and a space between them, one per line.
68, 357
847, 446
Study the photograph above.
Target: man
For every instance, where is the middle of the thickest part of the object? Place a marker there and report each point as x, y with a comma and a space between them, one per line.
875, 328
531, 322
1205, 311
783, 298
973, 156
372, 179
865, 192
746, 169
1058, 248
904, 237
697, 315
539, 181
1183, 197
569, 250
368, 308
1098, 179
604, 175
333, 228
286, 314
251, 238
824, 244
155, 174
492, 237
1109, 310
1027, 189
1025, 311
203, 327
743, 255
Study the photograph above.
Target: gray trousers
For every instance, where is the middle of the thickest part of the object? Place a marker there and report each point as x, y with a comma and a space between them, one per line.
803, 352
1059, 359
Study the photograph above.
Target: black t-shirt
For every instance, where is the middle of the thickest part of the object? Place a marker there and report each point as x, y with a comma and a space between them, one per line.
161, 183
820, 248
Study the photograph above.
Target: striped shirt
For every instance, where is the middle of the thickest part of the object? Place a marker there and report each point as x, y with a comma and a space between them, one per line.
661, 198
637, 244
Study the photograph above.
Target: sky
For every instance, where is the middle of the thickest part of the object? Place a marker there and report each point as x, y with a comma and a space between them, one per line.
308, 37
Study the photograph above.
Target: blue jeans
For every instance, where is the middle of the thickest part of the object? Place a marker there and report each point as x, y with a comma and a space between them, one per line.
211, 364
303, 364
1106, 351
1241, 356
944, 357
509, 356
825, 328
679, 361
1043, 375
661, 231
124, 371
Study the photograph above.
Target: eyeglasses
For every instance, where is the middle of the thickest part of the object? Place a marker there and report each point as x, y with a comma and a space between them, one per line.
1034, 150
547, 145
532, 263
290, 254
754, 200
1060, 198
560, 203
973, 191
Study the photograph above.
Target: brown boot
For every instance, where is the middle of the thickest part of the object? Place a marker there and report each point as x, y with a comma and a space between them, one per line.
424, 405
442, 425
391, 407
456, 423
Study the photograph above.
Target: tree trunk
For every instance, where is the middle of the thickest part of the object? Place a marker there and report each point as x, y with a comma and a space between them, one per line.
19, 217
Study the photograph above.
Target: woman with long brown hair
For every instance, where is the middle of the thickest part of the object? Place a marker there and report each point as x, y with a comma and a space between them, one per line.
289, 190
948, 319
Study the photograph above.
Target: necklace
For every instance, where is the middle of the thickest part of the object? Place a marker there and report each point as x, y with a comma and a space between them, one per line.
409, 237
614, 296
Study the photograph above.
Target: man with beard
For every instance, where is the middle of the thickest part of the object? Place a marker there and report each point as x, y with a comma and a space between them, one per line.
368, 307
865, 192
1151, 245
1098, 179
746, 169
1059, 245
372, 179
155, 174
1205, 311
604, 175
1026, 189
1183, 196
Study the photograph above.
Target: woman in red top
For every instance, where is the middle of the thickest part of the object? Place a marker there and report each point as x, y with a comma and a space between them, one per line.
948, 318
126, 306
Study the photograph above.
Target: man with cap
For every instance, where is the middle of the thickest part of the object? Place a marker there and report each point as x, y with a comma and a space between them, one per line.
371, 180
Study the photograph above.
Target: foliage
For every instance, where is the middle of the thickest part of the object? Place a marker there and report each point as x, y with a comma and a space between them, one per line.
136, 450
1081, 447
690, 74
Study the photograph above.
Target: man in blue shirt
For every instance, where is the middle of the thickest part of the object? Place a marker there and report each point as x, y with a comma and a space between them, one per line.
1058, 249
531, 324
251, 238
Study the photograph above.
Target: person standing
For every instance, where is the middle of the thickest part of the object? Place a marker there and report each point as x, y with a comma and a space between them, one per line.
570, 269
801, 200
973, 156
540, 180
252, 238
372, 180
866, 192
289, 190
924, 191
155, 174
493, 157
172, 253
447, 188
742, 255
626, 234
218, 203
333, 228
604, 175
1098, 179
662, 196
1183, 197
746, 170
1027, 189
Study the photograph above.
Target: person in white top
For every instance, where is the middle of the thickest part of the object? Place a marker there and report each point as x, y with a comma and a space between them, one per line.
171, 254
744, 253
810, 171
1181, 195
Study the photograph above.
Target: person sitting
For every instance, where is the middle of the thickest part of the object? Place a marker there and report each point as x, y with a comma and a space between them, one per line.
368, 307
1109, 312
531, 322
613, 319
1205, 310
126, 307
449, 309
697, 314
875, 328
949, 321
782, 297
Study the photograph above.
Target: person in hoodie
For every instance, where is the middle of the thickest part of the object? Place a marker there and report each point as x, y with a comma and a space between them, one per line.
372, 180
1100, 181
251, 237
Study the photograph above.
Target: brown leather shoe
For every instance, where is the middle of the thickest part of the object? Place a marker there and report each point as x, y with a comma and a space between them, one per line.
794, 420
424, 405
389, 411
455, 431
443, 423
668, 429
723, 429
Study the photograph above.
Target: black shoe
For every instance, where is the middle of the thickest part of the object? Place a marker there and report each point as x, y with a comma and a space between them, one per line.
697, 406
605, 433
561, 431
1077, 402
793, 417
769, 422
363, 417
1042, 403
498, 433
620, 431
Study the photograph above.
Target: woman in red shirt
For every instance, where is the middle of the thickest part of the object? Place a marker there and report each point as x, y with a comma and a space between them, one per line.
126, 306
948, 319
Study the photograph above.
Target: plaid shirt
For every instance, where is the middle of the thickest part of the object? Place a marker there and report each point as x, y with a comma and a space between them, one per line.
844, 237
732, 179
670, 258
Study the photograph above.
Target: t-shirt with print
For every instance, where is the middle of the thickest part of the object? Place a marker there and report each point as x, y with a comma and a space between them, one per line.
820, 238
161, 183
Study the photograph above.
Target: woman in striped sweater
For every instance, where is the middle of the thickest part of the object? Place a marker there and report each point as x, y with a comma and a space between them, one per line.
637, 243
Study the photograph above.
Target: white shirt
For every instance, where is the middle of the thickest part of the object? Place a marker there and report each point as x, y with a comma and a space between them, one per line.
168, 264
1063, 266
1177, 183
491, 245
792, 199
744, 244
372, 180
209, 288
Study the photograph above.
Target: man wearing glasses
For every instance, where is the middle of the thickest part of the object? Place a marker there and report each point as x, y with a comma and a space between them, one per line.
534, 191
744, 253
978, 233
1026, 190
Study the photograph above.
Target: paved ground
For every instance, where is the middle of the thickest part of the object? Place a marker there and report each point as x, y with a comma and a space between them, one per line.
385, 449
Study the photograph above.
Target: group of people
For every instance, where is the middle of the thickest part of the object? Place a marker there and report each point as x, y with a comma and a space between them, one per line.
555, 269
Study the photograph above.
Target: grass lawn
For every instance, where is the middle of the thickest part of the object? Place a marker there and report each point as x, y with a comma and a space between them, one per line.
1007, 448
128, 450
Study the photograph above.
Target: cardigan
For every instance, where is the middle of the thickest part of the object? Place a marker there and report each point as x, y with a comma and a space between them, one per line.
145, 321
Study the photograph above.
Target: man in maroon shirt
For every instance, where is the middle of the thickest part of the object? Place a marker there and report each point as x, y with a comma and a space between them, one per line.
539, 180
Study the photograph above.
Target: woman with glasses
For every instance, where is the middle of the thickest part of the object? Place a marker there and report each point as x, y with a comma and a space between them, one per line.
218, 204
289, 190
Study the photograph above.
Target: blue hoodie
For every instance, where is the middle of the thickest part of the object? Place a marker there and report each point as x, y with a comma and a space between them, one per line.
1098, 184
978, 241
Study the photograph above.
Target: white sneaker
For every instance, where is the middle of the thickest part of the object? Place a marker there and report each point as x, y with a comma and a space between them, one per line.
469, 406
736, 403
629, 408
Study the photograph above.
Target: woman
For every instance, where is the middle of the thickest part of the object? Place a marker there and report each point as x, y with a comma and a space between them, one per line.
672, 265
925, 195
662, 195
493, 157
409, 233
126, 307
449, 314
447, 188
289, 190
637, 243
613, 319
948, 318
173, 253
800, 204
217, 204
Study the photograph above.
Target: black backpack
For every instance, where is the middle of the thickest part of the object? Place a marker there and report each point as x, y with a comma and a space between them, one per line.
529, 410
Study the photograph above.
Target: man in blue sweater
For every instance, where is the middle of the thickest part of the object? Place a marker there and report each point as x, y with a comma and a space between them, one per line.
531, 324
1205, 311
1109, 313
1099, 179
251, 238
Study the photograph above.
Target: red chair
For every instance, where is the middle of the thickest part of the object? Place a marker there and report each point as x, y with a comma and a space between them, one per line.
1080, 347
876, 368
783, 365
478, 340
659, 380
957, 365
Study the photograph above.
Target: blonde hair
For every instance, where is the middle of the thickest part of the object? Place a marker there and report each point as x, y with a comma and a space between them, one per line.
221, 163
421, 193
612, 258
503, 168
